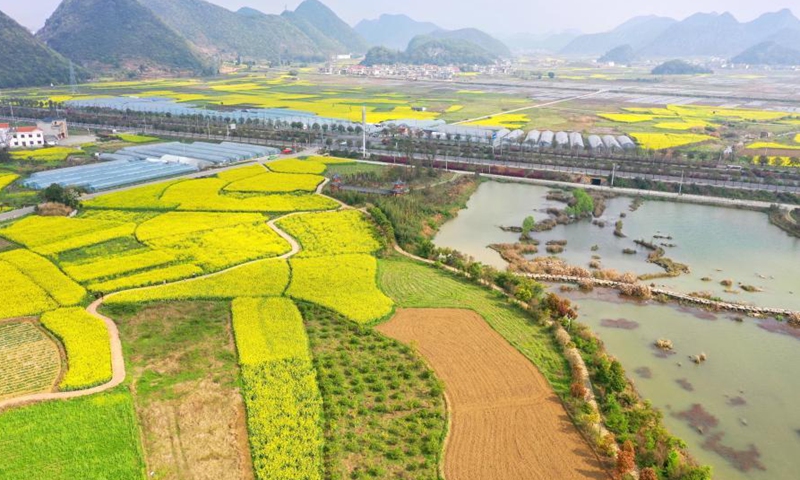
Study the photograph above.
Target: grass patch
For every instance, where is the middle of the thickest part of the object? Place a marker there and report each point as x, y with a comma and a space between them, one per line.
184, 374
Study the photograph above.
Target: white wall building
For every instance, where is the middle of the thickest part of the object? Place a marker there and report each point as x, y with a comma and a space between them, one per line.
25, 137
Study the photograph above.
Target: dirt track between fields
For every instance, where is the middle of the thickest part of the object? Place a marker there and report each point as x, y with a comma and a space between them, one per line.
506, 421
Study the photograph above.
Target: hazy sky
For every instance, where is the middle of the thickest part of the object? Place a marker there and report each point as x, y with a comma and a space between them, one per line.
501, 17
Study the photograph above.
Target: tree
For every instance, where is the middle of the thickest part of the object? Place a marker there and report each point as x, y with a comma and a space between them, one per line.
582, 205
66, 196
551, 75
528, 224
5, 156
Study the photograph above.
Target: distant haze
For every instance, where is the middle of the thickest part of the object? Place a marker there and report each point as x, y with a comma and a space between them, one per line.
501, 17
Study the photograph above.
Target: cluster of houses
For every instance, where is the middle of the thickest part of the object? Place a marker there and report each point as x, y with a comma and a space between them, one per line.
411, 72
45, 134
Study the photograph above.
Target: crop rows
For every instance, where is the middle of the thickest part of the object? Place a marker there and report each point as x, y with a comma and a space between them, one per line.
284, 406
29, 361
46, 275
332, 233
117, 265
146, 278
21, 296
225, 247
263, 278
271, 182
86, 342
50, 235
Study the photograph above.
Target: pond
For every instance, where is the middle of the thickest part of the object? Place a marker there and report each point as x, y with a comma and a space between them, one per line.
745, 392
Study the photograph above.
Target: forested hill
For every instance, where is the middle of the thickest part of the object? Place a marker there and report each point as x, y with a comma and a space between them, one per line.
25, 61
117, 34
325, 20
427, 50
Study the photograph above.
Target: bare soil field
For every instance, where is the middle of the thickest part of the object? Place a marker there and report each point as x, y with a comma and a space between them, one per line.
183, 376
506, 421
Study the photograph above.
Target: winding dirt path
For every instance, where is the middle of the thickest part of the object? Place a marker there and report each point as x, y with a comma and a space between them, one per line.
506, 421
117, 369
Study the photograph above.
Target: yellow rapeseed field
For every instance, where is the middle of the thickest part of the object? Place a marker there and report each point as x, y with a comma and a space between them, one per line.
21, 296
660, 141
297, 166
344, 283
332, 233
258, 279
87, 344
284, 405
117, 265
50, 154
49, 235
46, 275
268, 329
183, 223
271, 182
772, 145
149, 277
7, 179
627, 117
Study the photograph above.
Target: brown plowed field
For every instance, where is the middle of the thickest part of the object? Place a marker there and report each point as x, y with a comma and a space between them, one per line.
506, 422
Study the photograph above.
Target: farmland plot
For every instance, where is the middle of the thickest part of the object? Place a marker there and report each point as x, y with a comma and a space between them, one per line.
88, 437
86, 341
506, 423
30, 361
284, 407
332, 233
343, 283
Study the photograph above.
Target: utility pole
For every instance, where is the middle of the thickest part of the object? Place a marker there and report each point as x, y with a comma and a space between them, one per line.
680, 187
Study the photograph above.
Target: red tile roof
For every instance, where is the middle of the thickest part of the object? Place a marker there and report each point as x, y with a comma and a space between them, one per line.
3, 125
27, 129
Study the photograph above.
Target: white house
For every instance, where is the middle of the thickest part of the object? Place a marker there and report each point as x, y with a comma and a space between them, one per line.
25, 137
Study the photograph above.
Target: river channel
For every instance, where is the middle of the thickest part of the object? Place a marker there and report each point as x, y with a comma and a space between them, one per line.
747, 389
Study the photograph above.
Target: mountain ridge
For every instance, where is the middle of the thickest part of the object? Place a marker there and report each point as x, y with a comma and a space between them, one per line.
27, 61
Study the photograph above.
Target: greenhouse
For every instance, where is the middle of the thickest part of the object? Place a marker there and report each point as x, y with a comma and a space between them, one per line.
105, 175
562, 139
533, 137
595, 142
141, 163
625, 142
576, 140
546, 139
611, 142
